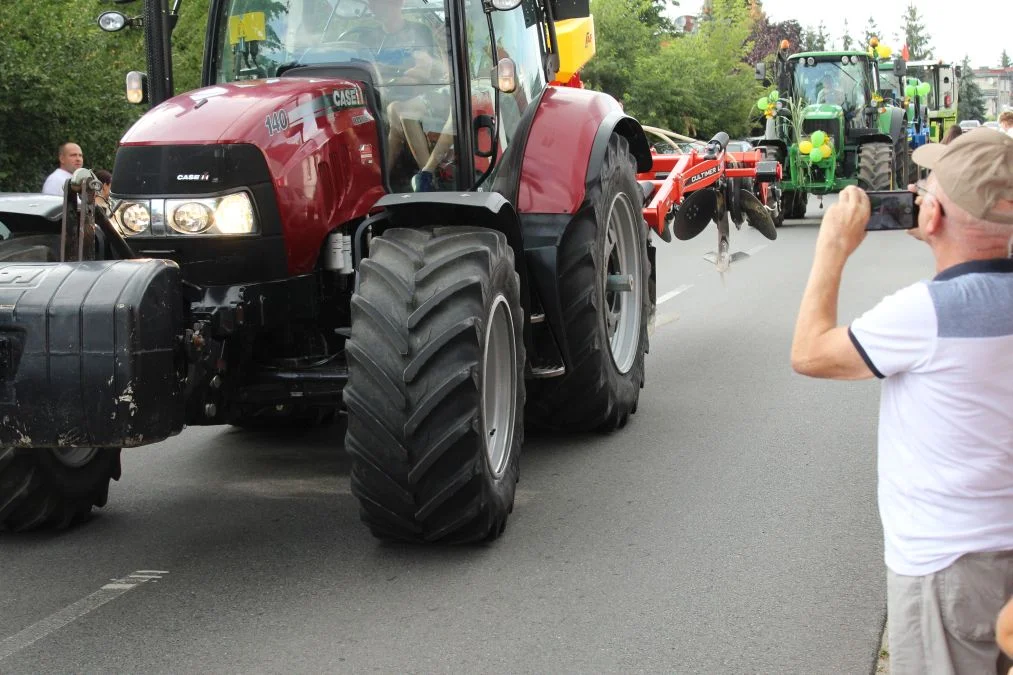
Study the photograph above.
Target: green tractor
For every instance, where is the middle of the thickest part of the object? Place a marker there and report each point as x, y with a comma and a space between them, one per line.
942, 94
830, 128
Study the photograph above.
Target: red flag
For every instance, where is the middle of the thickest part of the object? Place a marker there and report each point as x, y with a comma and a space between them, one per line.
905, 53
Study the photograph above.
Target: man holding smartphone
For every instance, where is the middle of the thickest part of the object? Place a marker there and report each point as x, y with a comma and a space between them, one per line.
944, 350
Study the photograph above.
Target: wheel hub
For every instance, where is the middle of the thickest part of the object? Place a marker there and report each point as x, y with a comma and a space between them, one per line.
499, 385
622, 283
74, 457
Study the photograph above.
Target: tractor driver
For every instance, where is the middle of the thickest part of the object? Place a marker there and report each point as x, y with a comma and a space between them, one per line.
831, 92
408, 51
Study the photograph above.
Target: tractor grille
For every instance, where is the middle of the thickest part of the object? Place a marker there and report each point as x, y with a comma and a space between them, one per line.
829, 127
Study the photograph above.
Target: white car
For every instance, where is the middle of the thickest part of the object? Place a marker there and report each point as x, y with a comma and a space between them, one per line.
967, 125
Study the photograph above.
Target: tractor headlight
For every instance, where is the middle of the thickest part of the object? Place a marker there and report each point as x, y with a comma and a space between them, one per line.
191, 218
231, 214
133, 217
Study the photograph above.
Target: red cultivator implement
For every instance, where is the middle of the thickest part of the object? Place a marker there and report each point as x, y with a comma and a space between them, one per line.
689, 190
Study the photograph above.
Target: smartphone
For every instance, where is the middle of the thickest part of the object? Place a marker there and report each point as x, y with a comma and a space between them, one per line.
892, 210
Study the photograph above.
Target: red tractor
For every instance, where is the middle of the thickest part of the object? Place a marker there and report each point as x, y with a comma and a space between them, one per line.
366, 209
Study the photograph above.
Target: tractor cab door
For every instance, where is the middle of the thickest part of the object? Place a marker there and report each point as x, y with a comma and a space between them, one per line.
506, 73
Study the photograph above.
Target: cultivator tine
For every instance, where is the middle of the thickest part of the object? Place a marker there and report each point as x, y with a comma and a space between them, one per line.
695, 213
757, 215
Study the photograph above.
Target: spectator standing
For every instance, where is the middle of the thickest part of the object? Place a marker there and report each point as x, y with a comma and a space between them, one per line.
944, 350
952, 133
1006, 121
102, 198
71, 159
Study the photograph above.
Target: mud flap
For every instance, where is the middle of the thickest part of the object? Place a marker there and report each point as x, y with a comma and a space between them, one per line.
88, 353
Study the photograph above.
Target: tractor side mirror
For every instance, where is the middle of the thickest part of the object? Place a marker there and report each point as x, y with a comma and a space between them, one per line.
504, 75
760, 71
959, 70
900, 67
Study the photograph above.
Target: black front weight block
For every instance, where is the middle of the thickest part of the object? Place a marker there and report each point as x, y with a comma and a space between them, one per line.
88, 353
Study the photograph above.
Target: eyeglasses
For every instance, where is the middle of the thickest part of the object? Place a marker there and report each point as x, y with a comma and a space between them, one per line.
922, 190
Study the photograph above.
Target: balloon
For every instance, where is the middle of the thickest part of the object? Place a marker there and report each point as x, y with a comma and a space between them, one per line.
761, 103
924, 88
773, 96
816, 154
910, 90
883, 51
805, 147
818, 138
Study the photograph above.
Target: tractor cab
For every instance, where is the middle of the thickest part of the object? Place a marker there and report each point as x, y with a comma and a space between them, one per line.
836, 89
436, 107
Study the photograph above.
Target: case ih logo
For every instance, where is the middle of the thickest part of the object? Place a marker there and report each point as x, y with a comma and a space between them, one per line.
193, 177
347, 98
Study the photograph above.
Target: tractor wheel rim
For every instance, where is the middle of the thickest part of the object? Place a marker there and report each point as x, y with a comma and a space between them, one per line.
499, 385
622, 308
74, 457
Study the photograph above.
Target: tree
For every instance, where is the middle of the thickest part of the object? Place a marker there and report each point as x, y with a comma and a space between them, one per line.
1004, 60
766, 38
63, 80
694, 84
970, 102
915, 36
846, 41
815, 40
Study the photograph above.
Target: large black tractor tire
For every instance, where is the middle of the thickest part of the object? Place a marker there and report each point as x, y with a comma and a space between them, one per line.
794, 204
606, 331
876, 166
902, 163
435, 393
31, 248
42, 488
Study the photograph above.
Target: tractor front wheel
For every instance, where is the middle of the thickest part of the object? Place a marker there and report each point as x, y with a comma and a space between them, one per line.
604, 276
876, 166
793, 204
53, 487
435, 392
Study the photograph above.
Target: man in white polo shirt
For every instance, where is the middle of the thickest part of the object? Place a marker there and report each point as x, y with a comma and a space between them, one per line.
944, 350
71, 159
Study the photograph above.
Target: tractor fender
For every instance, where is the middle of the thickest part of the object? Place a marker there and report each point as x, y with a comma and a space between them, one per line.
566, 146
898, 125
450, 209
874, 138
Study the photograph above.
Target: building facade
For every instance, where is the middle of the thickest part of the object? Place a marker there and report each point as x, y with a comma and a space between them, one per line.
996, 86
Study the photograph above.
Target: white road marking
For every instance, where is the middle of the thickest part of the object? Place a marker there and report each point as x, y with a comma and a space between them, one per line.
671, 294
756, 249
71, 613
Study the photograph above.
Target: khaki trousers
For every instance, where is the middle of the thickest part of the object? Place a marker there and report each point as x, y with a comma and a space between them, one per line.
944, 623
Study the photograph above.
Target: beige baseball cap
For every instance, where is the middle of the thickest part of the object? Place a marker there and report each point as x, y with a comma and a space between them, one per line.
975, 170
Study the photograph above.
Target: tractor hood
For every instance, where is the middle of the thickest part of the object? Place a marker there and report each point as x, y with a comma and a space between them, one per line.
253, 111
822, 111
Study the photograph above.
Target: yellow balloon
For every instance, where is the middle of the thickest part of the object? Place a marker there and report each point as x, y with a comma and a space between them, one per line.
805, 147
884, 51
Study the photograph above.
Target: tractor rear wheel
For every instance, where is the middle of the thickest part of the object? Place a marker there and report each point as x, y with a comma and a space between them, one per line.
875, 166
435, 392
53, 487
604, 273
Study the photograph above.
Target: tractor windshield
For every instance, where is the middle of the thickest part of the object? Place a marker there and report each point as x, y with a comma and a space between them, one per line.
256, 38
833, 82
890, 87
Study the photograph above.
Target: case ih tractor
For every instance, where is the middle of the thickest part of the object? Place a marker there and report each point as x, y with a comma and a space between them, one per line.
830, 130
274, 257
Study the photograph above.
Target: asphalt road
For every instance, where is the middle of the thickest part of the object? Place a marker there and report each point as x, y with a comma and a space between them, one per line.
731, 527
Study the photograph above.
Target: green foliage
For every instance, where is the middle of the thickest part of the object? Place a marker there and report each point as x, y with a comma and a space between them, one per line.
1004, 60
63, 80
815, 40
915, 36
970, 102
694, 84
871, 31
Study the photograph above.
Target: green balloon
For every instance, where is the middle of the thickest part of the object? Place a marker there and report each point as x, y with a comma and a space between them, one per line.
818, 138
910, 90
924, 88
761, 103
773, 96
816, 154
